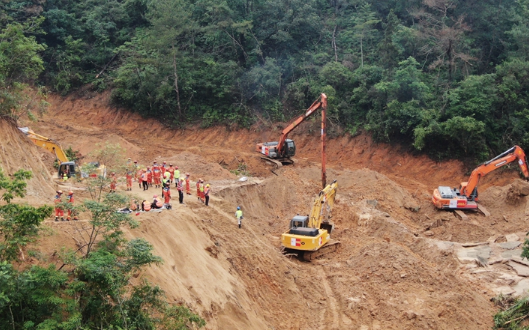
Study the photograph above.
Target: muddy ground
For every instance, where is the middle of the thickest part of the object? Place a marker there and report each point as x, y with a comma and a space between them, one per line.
402, 263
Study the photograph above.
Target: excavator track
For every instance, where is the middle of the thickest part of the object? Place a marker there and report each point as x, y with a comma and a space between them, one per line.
330, 247
277, 163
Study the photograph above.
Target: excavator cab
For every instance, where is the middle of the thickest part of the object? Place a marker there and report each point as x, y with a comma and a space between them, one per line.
290, 148
299, 226
69, 168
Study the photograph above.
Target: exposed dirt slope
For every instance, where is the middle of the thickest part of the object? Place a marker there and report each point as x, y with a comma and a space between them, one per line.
18, 152
397, 268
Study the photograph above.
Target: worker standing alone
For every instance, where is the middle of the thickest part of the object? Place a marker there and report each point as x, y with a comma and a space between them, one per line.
238, 215
180, 188
113, 182
198, 188
167, 197
144, 180
188, 186
129, 180
59, 212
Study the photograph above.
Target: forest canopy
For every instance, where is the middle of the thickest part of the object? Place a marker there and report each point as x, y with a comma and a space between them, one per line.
448, 77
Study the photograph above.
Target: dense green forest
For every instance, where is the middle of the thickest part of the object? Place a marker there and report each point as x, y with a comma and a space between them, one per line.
449, 77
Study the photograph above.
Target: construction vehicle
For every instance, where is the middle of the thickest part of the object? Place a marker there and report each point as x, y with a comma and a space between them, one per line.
65, 166
280, 152
466, 196
310, 236
70, 168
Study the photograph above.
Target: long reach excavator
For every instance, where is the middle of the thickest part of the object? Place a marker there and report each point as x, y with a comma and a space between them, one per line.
280, 152
466, 196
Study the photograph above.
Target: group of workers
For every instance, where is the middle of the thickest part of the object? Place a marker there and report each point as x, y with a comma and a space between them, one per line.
59, 206
162, 176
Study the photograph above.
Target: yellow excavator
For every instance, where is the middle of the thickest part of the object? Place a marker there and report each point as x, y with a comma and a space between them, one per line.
309, 236
65, 166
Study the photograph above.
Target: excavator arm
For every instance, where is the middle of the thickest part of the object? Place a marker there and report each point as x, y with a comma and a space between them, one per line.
469, 190
322, 206
45, 143
321, 102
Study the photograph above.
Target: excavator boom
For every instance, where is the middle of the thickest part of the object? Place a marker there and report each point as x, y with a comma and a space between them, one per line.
45, 143
467, 195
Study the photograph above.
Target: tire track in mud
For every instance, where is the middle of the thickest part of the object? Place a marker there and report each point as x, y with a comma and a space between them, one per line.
332, 304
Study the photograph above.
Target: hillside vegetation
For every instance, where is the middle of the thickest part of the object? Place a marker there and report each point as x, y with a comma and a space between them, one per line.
448, 77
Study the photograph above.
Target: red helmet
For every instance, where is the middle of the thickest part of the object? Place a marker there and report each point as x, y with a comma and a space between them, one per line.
155, 196
165, 162
170, 164
70, 192
187, 174
135, 161
176, 167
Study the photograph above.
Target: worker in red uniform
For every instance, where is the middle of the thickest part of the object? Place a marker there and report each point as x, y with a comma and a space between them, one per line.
163, 168
198, 188
149, 176
167, 197
144, 179
59, 212
180, 188
157, 174
156, 203
129, 180
71, 210
188, 186
207, 191
113, 182
139, 173
201, 189
170, 169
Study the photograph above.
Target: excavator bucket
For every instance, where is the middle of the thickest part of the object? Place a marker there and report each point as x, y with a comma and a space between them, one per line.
329, 226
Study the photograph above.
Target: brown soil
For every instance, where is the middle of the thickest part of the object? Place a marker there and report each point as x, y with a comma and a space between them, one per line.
388, 274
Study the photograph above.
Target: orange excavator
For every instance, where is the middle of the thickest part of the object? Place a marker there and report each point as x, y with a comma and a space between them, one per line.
280, 152
466, 196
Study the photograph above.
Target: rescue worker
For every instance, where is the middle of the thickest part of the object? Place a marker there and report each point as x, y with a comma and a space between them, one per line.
145, 206
144, 180
59, 212
180, 188
207, 190
156, 203
157, 176
164, 168
149, 176
65, 177
171, 172
167, 197
134, 206
71, 210
129, 180
238, 215
188, 186
113, 182
176, 174
201, 190
139, 174
198, 188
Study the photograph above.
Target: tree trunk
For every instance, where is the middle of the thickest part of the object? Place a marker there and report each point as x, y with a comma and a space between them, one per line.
180, 114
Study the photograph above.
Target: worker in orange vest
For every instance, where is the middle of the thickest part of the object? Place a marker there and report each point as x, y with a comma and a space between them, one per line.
146, 206
180, 188
156, 203
188, 186
138, 177
129, 179
164, 168
149, 176
157, 175
71, 210
59, 212
144, 180
171, 171
207, 191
